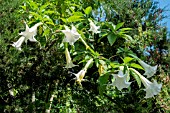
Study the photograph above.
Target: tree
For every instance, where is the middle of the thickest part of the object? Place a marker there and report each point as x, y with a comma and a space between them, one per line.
82, 42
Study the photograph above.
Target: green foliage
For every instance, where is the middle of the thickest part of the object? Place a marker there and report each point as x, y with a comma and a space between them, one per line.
37, 77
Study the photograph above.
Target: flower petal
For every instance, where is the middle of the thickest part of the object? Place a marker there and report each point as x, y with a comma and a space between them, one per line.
71, 36
153, 89
18, 44
121, 80
68, 59
93, 27
149, 70
29, 33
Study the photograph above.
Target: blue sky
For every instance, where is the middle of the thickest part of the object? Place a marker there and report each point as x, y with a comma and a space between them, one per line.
162, 4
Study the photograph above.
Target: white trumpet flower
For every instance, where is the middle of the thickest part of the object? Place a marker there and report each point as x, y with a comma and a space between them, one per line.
80, 75
71, 36
151, 88
93, 27
149, 70
18, 43
120, 80
29, 33
68, 59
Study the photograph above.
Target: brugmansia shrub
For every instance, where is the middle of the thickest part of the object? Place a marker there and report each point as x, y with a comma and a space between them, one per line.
64, 60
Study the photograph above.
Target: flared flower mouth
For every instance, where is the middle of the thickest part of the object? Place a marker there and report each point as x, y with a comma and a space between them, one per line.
149, 70
80, 76
71, 36
152, 88
120, 80
93, 27
29, 33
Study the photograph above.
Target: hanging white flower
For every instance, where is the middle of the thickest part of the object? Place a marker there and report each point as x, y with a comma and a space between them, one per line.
68, 59
29, 33
149, 70
151, 88
18, 43
120, 80
71, 36
80, 75
93, 27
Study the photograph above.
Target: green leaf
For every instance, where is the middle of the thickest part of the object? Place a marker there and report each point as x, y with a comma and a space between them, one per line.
136, 66
127, 37
111, 26
127, 59
64, 20
102, 83
112, 38
33, 5
74, 18
46, 32
114, 65
119, 25
49, 12
135, 73
125, 29
88, 10
36, 15
42, 8
78, 14
24, 7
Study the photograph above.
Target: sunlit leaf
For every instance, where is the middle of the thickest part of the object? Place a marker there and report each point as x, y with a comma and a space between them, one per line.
36, 15
88, 10
136, 66
42, 8
127, 59
74, 18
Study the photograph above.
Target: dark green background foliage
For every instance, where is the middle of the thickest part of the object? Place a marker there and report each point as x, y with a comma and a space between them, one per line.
39, 70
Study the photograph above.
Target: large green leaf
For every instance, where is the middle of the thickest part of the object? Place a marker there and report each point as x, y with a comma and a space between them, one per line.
119, 25
74, 18
127, 59
136, 66
88, 10
102, 83
112, 38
